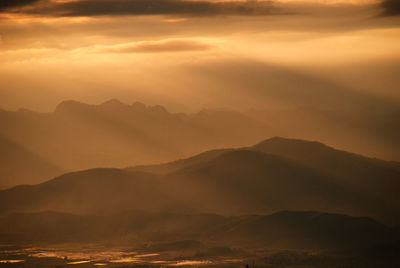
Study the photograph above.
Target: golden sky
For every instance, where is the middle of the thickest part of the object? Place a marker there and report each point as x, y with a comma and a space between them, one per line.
153, 50
335, 64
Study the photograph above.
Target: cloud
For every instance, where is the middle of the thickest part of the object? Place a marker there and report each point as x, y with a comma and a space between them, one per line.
7, 4
391, 7
150, 7
169, 45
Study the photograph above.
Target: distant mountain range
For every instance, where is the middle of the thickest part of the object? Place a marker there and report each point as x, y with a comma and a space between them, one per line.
79, 136
113, 134
274, 175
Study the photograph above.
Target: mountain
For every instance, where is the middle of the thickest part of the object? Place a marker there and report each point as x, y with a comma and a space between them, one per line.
72, 135
326, 158
246, 181
135, 134
286, 229
299, 104
21, 166
373, 176
95, 191
298, 174
369, 131
227, 182
174, 166
235, 182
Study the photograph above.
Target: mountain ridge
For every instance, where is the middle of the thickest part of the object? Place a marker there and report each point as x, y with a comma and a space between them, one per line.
227, 181
128, 134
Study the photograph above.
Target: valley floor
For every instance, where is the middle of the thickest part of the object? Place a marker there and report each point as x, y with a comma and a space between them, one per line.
110, 256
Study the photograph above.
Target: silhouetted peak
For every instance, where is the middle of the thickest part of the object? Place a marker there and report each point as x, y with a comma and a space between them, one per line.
138, 105
312, 152
110, 106
158, 109
70, 106
285, 143
113, 103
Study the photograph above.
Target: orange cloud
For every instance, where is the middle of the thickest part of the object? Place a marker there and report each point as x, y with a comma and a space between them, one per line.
168, 45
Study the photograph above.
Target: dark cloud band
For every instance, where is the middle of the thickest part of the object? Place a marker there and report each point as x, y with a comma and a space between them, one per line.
8, 4
150, 7
391, 7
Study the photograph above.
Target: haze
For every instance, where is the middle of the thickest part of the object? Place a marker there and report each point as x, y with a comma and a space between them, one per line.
213, 133
281, 55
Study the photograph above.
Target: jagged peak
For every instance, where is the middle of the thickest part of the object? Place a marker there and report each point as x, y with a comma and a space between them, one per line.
139, 105
159, 109
70, 105
290, 141
113, 103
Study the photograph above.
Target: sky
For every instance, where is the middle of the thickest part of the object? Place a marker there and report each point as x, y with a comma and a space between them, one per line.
326, 56
157, 51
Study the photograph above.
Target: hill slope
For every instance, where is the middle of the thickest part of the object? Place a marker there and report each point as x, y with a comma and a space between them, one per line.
286, 229
324, 177
127, 134
20, 166
228, 182
376, 177
245, 181
95, 191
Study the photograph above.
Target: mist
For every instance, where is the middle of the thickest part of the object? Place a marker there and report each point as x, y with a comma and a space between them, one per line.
199, 133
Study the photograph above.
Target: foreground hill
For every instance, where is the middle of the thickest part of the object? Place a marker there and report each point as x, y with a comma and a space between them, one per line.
245, 181
374, 176
234, 182
287, 229
308, 229
227, 182
113, 134
95, 191
295, 172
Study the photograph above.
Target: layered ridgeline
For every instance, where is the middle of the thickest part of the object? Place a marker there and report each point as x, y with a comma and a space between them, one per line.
80, 136
113, 134
277, 174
